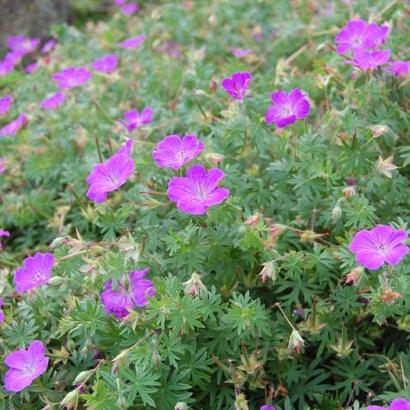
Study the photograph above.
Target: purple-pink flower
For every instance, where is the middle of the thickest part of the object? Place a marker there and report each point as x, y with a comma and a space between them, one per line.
135, 119
21, 44
48, 46
71, 77
241, 52
25, 366
174, 152
287, 108
5, 104
127, 294
399, 68
1, 310
36, 271
106, 64
360, 35
6, 67
369, 60
380, 245
111, 174
31, 68
4, 234
199, 190
237, 85
267, 407
14, 126
397, 404
133, 42
130, 9
53, 102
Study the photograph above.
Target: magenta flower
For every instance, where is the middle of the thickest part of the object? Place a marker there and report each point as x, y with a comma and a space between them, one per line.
25, 366
127, 295
31, 68
1, 310
71, 77
22, 45
398, 404
6, 67
4, 234
130, 9
241, 52
5, 104
359, 35
133, 42
106, 64
267, 407
48, 46
399, 68
14, 126
36, 271
287, 108
119, 2
53, 102
111, 174
134, 119
380, 245
369, 60
237, 84
199, 190
2, 169
174, 152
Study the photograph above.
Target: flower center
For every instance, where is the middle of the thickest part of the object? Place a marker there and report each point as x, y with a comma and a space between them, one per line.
201, 193
287, 110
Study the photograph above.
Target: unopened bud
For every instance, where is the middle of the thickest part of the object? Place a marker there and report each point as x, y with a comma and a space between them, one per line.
389, 296
268, 271
296, 342
253, 219
241, 403
56, 280
336, 213
181, 406
194, 285
386, 166
214, 158
379, 130
70, 401
354, 276
349, 191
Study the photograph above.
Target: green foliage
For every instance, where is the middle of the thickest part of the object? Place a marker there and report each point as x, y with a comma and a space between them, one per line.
297, 196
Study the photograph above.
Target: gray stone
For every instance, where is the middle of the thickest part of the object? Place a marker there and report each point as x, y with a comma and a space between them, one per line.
31, 17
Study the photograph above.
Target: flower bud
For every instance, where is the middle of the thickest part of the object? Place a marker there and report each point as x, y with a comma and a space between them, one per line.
349, 191
296, 342
336, 213
268, 271
253, 219
70, 401
354, 276
56, 280
214, 158
194, 285
389, 296
386, 166
379, 130
241, 403
181, 406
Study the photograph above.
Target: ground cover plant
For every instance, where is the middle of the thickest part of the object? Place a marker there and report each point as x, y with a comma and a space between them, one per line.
205, 205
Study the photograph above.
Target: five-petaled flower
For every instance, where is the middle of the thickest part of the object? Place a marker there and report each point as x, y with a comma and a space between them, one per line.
53, 102
14, 126
25, 366
380, 245
399, 68
135, 119
174, 152
71, 77
5, 104
199, 190
36, 271
106, 64
22, 45
397, 404
360, 35
133, 42
129, 9
369, 60
237, 85
111, 174
287, 108
127, 294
